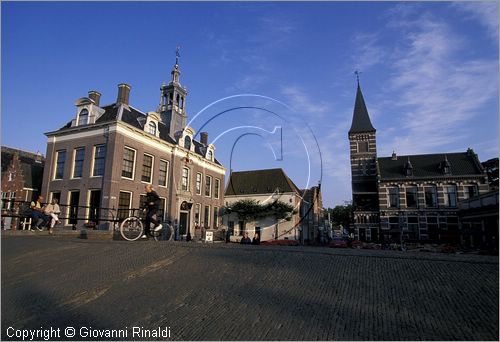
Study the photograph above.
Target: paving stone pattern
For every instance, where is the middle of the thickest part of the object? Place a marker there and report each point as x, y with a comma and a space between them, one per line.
233, 292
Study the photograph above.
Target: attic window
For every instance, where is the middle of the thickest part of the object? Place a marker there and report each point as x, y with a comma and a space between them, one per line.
83, 118
187, 142
210, 155
446, 166
152, 128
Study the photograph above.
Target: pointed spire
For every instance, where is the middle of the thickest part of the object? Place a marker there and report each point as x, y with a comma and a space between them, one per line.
360, 119
175, 71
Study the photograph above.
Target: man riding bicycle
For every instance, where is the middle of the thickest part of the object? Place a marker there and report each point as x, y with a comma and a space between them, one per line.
152, 202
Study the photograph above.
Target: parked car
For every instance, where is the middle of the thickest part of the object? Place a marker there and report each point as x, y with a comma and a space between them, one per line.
338, 242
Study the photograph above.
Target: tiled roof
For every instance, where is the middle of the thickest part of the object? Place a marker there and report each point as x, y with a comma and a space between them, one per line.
137, 119
360, 118
259, 182
430, 165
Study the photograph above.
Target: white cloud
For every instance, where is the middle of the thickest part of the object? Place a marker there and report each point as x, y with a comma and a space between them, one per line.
300, 101
367, 50
437, 91
485, 12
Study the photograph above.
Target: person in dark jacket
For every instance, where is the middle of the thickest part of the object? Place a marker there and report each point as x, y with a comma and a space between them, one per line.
152, 202
256, 239
246, 240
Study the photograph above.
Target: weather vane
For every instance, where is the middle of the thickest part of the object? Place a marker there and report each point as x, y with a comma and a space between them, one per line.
357, 75
177, 54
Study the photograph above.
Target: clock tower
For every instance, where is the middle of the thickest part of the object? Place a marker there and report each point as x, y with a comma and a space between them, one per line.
172, 108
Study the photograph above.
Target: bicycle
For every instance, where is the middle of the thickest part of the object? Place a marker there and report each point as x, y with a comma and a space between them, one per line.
132, 228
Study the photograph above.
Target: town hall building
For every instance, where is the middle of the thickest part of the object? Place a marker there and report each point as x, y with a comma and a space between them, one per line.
98, 164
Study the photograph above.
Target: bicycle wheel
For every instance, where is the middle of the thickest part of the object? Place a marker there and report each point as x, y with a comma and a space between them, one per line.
131, 228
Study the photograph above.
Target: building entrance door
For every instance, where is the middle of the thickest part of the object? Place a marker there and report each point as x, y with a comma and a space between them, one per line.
183, 223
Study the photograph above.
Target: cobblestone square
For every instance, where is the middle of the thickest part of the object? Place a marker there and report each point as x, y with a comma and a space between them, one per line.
233, 292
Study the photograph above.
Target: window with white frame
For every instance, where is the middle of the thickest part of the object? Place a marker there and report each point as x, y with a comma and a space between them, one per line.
83, 117
411, 196
215, 218
217, 188
78, 162
147, 168
394, 197
207, 217
198, 183
210, 155
185, 179
431, 196
450, 196
208, 186
60, 161
470, 191
124, 204
163, 173
99, 160
187, 142
152, 127
128, 163
197, 211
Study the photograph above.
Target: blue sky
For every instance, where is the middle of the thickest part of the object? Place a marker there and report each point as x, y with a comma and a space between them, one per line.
429, 74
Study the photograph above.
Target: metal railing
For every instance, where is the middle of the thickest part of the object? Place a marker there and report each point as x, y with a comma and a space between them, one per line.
93, 217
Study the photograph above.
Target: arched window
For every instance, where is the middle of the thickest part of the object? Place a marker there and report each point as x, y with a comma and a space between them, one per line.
187, 142
152, 128
210, 155
83, 118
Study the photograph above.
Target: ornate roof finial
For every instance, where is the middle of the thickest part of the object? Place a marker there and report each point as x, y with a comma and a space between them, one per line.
356, 72
177, 54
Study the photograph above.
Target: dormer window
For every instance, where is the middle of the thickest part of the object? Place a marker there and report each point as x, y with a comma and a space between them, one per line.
152, 128
83, 118
150, 123
446, 166
210, 155
187, 142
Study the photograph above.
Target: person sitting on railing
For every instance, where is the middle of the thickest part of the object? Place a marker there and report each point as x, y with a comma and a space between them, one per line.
53, 211
37, 212
152, 202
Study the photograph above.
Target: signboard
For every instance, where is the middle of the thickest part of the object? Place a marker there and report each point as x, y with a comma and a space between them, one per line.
209, 236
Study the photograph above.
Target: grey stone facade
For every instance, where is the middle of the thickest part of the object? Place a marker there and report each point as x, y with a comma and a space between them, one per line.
413, 197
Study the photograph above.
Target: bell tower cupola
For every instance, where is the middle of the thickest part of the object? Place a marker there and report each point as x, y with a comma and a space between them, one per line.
172, 108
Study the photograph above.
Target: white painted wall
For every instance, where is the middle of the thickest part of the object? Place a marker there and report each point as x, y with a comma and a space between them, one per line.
267, 225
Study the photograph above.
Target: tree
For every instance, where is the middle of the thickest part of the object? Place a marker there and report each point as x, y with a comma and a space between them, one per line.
341, 215
245, 210
491, 167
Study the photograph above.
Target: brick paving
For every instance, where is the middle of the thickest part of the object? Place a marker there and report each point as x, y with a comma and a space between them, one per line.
233, 292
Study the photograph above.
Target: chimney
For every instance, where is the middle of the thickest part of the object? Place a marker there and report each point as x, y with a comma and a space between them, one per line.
95, 96
123, 93
204, 138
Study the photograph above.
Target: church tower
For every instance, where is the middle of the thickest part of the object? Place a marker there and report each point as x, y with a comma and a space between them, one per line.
363, 153
172, 108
